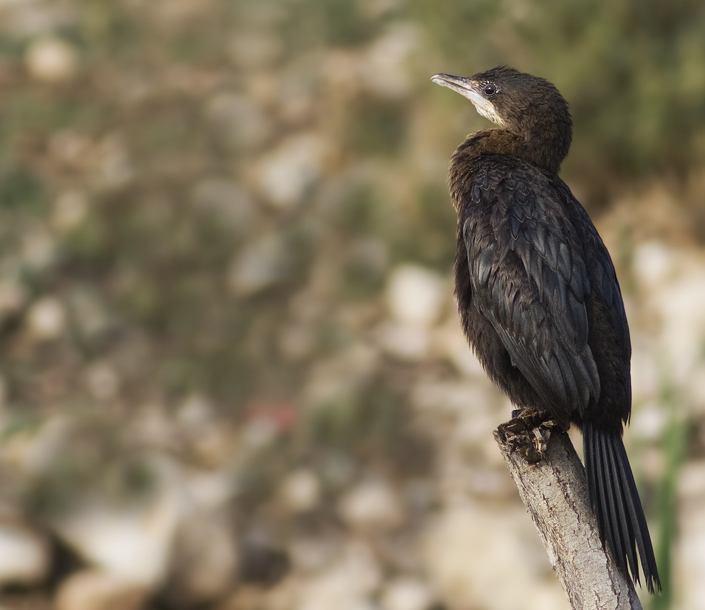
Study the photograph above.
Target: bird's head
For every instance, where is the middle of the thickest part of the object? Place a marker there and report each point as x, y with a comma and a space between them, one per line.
527, 105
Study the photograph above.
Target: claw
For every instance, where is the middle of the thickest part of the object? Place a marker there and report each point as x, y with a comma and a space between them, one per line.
529, 432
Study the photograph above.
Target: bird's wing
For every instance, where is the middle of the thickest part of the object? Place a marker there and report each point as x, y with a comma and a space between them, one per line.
530, 280
603, 277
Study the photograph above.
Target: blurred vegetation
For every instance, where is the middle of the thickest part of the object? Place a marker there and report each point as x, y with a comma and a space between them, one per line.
152, 248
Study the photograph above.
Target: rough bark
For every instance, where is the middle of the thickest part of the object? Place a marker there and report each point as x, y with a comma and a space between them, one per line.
555, 494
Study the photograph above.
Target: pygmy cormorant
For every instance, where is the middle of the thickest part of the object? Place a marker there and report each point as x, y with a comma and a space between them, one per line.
537, 292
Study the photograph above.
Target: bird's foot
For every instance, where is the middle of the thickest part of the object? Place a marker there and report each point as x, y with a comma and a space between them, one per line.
529, 431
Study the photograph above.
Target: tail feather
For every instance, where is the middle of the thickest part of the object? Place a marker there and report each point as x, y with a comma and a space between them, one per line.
628, 538
615, 501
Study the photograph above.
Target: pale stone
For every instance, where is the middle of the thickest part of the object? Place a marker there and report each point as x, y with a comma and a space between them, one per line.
261, 264
405, 341
3, 399
102, 380
347, 584
95, 590
285, 176
227, 203
646, 376
131, 542
466, 544
46, 319
301, 491
407, 594
115, 169
238, 122
372, 504
415, 295
683, 319
449, 343
204, 558
649, 421
51, 59
689, 552
653, 263
255, 49
70, 210
385, 67
39, 250
13, 296
24, 555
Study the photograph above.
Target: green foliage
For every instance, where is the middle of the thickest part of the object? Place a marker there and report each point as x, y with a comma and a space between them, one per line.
675, 443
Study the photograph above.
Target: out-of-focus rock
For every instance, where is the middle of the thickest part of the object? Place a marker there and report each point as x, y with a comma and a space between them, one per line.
114, 164
102, 381
254, 49
247, 598
95, 590
131, 541
46, 319
313, 553
690, 545
286, 174
449, 343
407, 594
653, 264
39, 250
341, 376
384, 69
348, 584
204, 558
406, 342
226, 203
694, 390
415, 295
33, 454
459, 399
260, 265
646, 376
297, 341
3, 399
69, 211
51, 59
300, 491
649, 421
207, 436
13, 296
683, 318
238, 123
467, 578
372, 504
89, 314
24, 555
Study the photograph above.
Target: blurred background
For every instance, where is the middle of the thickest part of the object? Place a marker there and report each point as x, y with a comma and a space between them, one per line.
231, 370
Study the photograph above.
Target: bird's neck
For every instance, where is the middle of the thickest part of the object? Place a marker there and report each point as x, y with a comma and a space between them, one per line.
544, 146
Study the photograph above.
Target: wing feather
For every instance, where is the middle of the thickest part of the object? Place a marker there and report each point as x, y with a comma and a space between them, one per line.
530, 280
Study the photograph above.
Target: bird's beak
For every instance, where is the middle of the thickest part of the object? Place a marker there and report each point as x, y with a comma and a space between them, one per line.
460, 84
467, 87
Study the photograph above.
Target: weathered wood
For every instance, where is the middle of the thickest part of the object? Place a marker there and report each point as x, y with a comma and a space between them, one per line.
555, 494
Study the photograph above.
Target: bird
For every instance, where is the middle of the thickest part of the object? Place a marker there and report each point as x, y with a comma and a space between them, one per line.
538, 295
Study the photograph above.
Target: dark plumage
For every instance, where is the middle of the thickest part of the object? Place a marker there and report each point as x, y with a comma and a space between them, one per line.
537, 292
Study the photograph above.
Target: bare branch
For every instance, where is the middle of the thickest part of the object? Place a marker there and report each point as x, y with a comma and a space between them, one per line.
554, 492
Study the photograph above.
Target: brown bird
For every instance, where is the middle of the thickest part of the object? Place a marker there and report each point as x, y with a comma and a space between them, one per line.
538, 294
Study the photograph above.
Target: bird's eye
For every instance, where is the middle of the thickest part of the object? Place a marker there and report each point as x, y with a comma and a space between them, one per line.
489, 89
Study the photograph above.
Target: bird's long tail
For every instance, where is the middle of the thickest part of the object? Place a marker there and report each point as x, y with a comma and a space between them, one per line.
615, 501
